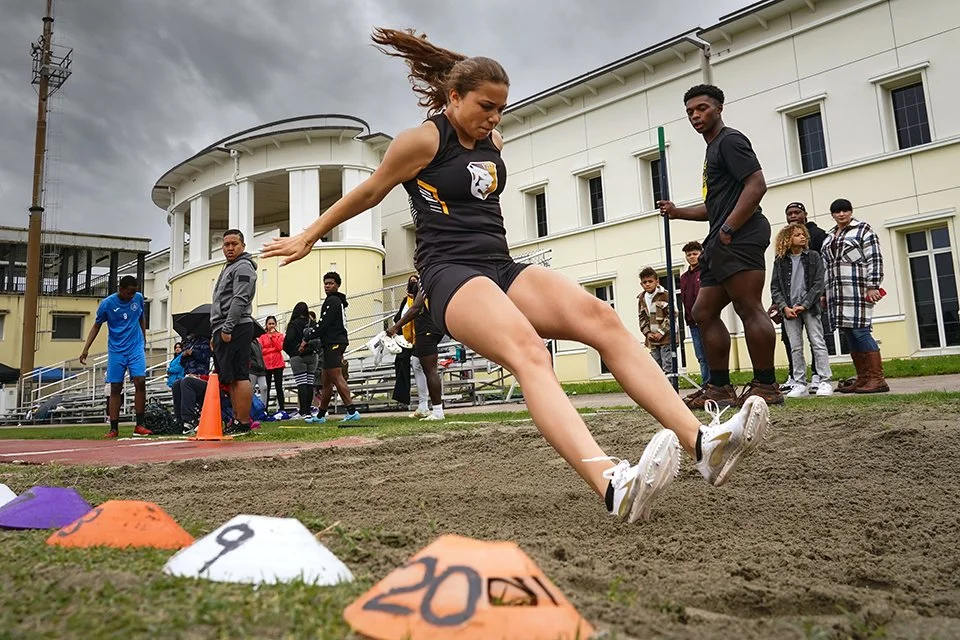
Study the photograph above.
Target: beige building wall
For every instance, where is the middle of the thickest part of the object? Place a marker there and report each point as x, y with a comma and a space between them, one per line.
49, 350
842, 59
777, 62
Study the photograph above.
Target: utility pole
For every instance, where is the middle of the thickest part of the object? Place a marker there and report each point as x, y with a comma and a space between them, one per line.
49, 73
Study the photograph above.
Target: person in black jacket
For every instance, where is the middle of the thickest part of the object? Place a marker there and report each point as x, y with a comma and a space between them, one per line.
796, 286
797, 212
332, 330
303, 359
402, 361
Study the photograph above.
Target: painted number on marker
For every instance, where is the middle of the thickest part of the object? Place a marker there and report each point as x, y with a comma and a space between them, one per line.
432, 582
229, 542
90, 517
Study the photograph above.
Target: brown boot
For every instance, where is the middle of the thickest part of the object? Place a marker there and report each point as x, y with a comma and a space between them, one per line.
874, 381
725, 396
850, 385
770, 393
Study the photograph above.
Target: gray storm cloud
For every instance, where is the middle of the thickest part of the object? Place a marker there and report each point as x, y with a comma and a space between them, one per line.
154, 82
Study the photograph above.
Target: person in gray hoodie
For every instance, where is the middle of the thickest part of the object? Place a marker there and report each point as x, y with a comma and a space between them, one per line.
232, 323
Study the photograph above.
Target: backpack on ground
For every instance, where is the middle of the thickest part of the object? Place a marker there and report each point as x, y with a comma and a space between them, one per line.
159, 420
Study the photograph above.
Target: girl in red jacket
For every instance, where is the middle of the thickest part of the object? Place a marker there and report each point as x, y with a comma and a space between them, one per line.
271, 343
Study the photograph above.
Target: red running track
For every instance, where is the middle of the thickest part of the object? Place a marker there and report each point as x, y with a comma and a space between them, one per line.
138, 451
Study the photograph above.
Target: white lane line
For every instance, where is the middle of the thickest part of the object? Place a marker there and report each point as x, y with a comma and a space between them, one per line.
39, 453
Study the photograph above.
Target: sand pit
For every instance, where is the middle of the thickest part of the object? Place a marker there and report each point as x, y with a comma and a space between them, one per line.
844, 525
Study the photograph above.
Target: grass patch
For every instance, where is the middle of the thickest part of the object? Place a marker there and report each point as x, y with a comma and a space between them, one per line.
895, 368
107, 593
293, 430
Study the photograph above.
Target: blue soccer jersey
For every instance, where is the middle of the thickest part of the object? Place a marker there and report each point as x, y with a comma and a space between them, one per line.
123, 322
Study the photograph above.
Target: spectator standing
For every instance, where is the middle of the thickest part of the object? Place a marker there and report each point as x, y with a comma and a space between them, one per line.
654, 316
689, 290
126, 342
851, 254
231, 320
796, 286
271, 345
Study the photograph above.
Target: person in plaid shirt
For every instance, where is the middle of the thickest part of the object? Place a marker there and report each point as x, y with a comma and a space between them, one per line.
854, 265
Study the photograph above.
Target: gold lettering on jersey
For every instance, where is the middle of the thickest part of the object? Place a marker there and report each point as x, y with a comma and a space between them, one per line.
432, 196
483, 178
704, 179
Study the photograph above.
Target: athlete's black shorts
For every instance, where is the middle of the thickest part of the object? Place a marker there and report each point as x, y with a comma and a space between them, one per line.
232, 359
426, 344
746, 252
333, 356
441, 282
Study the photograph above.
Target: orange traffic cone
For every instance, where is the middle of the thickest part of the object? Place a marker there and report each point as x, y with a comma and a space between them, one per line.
211, 426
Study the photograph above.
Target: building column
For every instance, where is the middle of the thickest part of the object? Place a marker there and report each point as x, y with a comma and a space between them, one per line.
62, 271
240, 208
73, 256
141, 269
176, 242
360, 228
199, 230
12, 267
304, 198
114, 270
87, 285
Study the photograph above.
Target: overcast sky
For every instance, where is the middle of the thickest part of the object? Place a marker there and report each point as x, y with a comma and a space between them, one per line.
155, 81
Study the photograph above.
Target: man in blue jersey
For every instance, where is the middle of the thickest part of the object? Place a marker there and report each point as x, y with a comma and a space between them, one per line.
126, 340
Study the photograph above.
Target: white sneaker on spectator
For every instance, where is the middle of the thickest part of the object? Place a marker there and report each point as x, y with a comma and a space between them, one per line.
825, 388
798, 391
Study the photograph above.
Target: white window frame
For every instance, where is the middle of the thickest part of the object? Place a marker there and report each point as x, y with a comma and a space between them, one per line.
410, 238
593, 286
929, 252
789, 115
885, 84
645, 157
584, 175
164, 311
530, 193
58, 314
3, 323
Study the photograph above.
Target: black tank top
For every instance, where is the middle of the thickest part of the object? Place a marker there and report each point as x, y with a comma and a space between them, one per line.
455, 202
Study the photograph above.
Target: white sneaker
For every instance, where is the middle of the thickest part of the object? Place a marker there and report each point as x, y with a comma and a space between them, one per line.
418, 414
825, 389
635, 488
798, 391
722, 445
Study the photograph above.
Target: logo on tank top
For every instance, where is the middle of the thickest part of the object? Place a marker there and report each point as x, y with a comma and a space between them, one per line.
483, 178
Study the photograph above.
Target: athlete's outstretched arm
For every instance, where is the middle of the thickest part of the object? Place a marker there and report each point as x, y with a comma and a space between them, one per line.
407, 155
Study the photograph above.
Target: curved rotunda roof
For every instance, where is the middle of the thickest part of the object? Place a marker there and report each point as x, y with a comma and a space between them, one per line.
309, 127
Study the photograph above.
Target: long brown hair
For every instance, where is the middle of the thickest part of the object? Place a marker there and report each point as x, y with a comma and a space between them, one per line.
434, 71
785, 238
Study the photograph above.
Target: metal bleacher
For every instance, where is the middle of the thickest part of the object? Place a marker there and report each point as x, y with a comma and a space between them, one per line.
78, 396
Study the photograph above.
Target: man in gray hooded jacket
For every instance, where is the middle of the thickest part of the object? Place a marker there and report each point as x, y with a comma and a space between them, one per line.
232, 324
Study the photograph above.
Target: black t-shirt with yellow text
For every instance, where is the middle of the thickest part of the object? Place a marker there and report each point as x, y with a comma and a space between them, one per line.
729, 161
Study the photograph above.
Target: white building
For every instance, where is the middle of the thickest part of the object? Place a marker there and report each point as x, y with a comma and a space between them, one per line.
840, 98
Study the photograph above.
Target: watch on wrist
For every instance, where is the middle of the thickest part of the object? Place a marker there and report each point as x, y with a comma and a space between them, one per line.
727, 229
